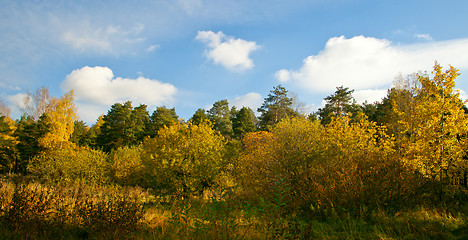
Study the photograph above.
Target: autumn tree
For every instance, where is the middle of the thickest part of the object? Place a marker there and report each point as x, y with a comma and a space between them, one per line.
434, 126
8, 141
61, 117
184, 159
277, 105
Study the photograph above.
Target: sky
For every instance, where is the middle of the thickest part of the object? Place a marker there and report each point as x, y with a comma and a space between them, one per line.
188, 54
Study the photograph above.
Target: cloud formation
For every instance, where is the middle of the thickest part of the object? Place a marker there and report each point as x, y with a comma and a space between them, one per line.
97, 85
252, 100
371, 63
108, 40
232, 53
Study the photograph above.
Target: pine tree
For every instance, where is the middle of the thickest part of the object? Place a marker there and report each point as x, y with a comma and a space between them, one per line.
276, 106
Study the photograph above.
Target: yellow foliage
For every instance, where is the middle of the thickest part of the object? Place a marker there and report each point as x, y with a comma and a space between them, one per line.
184, 159
61, 115
433, 131
126, 165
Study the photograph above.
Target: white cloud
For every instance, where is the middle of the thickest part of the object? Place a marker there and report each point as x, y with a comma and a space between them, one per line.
426, 36
369, 95
232, 53
108, 40
252, 100
97, 85
365, 62
16, 103
17, 100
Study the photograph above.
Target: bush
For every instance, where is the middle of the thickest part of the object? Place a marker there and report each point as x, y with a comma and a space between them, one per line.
71, 164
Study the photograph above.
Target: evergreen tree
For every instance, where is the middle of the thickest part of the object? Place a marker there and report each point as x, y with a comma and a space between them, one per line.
79, 134
276, 107
161, 117
122, 126
28, 133
244, 122
341, 103
220, 116
199, 116
139, 120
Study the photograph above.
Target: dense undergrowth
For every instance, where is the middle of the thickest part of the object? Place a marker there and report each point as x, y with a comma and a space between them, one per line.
50, 211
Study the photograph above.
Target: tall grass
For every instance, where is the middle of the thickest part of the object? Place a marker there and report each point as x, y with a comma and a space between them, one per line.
41, 211
45, 211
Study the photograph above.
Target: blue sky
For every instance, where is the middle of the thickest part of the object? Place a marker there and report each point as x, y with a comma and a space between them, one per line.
188, 54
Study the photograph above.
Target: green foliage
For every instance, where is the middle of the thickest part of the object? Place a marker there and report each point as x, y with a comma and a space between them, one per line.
341, 103
277, 105
244, 122
161, 117
122, 126
80, 133
220, 115
199, 116
28, 132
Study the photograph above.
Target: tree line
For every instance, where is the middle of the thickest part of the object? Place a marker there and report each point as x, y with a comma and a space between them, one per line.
346, 154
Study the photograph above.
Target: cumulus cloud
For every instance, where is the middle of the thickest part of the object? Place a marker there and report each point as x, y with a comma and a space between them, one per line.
112, 39
252, 100
232, 53
370, 63
97, 85
369, 95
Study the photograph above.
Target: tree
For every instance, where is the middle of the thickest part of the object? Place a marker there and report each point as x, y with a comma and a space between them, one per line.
37, 104
61, 116
341, 103
220, 115
122, 126
276, 107
8, 152
199, 116
161, 117
80, 133
244, 122
4, 109
29, 132
434, 127
184, 160
139, 120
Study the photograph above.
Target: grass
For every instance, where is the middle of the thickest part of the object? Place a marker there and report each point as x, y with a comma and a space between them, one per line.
41, 211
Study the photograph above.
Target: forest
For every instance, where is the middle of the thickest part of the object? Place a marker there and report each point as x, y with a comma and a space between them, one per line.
394, 169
